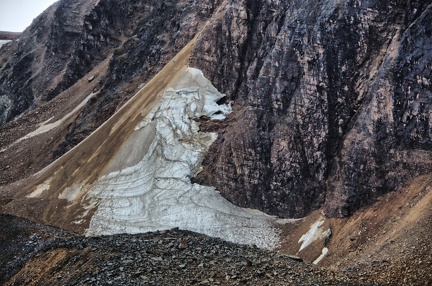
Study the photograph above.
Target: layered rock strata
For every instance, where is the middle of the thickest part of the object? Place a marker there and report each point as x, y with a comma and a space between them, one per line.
332, 102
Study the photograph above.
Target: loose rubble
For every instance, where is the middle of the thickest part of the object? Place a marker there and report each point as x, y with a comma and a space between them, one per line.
173, 257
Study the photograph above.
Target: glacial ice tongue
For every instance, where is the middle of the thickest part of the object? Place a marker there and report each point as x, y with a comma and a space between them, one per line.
147, 186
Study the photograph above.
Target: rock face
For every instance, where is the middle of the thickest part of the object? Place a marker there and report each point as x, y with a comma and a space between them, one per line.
36, 65
148, 42
332, 102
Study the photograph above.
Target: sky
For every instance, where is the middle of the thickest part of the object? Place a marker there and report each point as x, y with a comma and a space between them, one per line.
16, 15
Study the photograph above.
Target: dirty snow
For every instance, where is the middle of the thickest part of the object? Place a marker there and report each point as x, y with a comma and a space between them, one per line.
2, 42
40, 189
46, 127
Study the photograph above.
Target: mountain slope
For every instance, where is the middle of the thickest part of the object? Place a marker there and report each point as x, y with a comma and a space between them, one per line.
133, 173
361, 93
148, 42
110, 126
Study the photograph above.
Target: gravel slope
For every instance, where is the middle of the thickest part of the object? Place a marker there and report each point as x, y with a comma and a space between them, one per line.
172, 257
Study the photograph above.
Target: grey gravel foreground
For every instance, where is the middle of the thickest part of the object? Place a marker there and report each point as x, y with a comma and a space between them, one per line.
42, 255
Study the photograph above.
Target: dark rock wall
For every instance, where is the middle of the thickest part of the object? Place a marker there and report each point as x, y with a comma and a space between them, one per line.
35, 66
332, 106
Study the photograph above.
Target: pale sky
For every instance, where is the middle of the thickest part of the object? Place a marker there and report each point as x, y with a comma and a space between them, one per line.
16, 15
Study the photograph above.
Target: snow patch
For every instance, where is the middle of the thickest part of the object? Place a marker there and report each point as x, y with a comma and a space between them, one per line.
315, 232
40, 189
321, 257
2, 42
45, 127
147, 186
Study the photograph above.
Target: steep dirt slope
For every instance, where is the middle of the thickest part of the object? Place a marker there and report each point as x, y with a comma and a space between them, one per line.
87, 160
133, 173
33, 137
388, 243
102, 40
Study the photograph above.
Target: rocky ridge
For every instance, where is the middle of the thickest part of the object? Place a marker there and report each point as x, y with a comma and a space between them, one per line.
9, 35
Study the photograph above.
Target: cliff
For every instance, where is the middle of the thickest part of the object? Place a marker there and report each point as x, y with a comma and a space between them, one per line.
332, 102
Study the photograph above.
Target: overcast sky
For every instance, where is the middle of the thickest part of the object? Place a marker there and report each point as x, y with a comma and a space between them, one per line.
16, 15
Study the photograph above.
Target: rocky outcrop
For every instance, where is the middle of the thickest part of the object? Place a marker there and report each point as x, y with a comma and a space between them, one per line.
331, 109
332, 106
35, 65
9, 35
70, 38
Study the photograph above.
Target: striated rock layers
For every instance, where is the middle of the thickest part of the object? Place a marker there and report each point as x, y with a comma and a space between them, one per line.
332, 100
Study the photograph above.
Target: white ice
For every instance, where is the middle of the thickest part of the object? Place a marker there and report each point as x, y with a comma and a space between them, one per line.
147, 186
